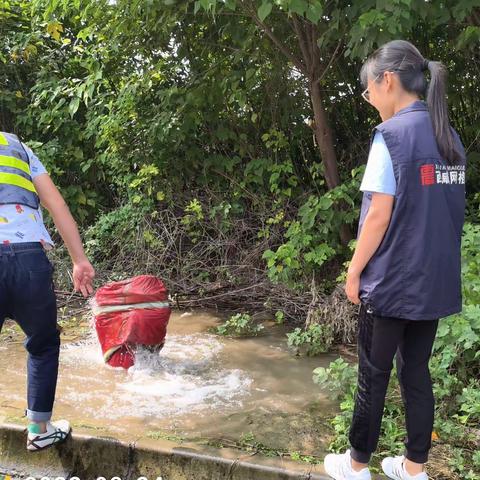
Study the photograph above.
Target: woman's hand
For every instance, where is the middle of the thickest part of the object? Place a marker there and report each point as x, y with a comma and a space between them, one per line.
352, 287
83, 275
373, 230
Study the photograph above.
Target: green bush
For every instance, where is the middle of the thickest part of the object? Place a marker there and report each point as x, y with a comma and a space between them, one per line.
455, 370
311, 239
316, 338
114, 232
239, 325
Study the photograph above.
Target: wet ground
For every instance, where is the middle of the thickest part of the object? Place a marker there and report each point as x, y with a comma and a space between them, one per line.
250, 393
203, 391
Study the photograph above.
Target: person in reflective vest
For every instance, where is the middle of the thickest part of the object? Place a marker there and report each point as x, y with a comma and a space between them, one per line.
26, 286
16, 185
405, 272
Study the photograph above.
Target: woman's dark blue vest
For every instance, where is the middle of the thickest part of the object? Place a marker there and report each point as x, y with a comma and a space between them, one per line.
416, 272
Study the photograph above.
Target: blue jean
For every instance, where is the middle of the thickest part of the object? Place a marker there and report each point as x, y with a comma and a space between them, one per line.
27, 296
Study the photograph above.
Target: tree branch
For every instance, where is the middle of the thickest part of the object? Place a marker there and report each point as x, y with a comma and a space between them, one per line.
302, 40
332, 59
279, 44
314, 50
475, 16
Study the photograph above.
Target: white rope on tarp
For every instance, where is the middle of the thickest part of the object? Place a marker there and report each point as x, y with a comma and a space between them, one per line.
98, 309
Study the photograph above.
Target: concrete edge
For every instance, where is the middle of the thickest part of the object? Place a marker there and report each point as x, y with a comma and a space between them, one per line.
88, 458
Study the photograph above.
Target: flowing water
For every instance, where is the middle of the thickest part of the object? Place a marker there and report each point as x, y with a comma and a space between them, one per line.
200, 385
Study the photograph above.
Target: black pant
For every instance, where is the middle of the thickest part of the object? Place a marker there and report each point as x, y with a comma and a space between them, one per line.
27, 296
379, 338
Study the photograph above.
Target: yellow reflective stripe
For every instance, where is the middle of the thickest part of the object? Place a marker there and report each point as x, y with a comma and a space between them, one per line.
3, 139
6, 161
17, 180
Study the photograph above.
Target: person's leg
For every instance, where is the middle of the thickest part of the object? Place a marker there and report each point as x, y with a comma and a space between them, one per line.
378, 340
34, 308
3, 290
416, 385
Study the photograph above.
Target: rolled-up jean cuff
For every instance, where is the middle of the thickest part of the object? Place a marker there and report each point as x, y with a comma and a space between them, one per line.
38, 416
416, 457
360, 457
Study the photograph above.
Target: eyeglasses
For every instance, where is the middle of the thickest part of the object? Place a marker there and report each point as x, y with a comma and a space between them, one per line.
366, 93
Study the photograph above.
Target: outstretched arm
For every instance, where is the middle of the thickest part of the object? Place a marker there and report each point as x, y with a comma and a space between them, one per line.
52, 200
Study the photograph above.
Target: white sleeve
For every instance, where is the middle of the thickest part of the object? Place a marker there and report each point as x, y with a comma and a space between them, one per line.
379, 176
36, 166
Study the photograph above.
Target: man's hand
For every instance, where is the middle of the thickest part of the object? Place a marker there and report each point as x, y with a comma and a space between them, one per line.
352, 287
50, 197
83, 275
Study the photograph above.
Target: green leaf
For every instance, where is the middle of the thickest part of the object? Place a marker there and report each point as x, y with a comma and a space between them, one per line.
314, 12
81, 198
264, 10
206, 4
298, 6
73, 107
55, 29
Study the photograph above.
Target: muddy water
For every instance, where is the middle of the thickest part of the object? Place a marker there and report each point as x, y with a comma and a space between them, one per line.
199, 386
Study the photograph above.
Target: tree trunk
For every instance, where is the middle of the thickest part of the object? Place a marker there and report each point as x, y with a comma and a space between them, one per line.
324, 137
311, 66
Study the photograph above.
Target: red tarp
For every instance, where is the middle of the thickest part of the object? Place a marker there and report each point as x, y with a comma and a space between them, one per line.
130, 313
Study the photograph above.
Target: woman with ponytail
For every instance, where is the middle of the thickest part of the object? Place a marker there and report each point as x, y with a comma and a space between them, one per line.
405, 272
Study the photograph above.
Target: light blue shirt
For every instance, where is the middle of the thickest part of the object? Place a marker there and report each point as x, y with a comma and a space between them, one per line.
379, 176
19, 223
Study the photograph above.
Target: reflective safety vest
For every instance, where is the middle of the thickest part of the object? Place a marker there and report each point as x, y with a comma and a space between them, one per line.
16, 185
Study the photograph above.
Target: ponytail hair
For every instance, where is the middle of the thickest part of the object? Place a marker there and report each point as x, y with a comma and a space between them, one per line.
407, 62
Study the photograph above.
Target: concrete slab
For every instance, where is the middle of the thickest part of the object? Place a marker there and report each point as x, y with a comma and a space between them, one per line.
88, 458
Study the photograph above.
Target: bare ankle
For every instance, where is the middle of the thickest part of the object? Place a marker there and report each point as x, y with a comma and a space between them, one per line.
42, 426
357, 466
413, 468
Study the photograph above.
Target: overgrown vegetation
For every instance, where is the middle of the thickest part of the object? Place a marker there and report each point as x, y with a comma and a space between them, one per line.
240, 325
316, 338
455, 369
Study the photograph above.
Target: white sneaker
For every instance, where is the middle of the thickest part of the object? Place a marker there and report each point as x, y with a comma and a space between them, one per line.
339, 467
393, 468
56, 432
